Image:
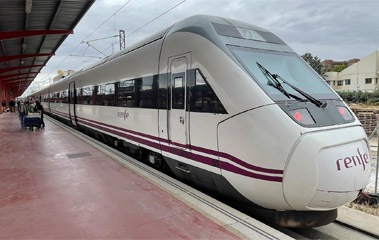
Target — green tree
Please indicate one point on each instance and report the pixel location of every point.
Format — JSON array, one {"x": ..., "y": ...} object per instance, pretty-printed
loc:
[
  {"x": 338, "y": 68},
  {"x": 314, "y": 62}
]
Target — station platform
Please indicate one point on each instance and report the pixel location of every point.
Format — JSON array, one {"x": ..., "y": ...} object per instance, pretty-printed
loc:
[{"x": 53, "y": 185}]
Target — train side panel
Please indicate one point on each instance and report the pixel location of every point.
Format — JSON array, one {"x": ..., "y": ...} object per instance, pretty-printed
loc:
[{"x": 138, "y": 126}]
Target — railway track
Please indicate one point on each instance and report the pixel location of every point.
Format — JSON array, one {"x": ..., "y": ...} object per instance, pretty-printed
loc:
[{"x": 335, "y": 230}]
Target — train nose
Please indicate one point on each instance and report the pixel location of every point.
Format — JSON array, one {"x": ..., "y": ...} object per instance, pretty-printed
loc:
[{"x": 327, "y": 169}]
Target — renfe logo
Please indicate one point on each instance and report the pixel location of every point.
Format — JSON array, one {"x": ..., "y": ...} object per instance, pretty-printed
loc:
[
  {"x": 353, "y": 161},
  {"x": 123, "y": 115}
]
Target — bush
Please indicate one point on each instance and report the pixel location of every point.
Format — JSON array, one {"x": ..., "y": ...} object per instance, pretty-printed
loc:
[
  {"x": 347, "y": 96},
  {"x": 338, "y": 68},
  {"x": 360, "y": 97}
]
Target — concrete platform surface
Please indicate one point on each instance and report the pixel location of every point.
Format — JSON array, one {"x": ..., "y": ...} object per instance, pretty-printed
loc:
[
  {"x": 359, "y": 219},
  {"x": 52, "y": 185}
]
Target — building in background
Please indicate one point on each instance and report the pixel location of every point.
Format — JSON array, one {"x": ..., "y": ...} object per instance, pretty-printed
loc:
[
  {"x": 328, "y": 65},
  {"x": 62, "y": 74},
  {"x": 362, "y": 75}
]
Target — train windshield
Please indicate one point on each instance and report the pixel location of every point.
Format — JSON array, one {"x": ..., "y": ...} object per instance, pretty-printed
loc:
[{"x": 289, "y": 66}]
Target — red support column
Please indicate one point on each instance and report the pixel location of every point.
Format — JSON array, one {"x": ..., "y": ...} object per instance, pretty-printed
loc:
[{"x": 2, "y": 94}]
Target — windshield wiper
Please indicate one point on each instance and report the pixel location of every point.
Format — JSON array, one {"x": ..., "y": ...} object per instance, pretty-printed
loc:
[
  {"x": 277, "y": 84},
  {"x": 275, "y": 78}
]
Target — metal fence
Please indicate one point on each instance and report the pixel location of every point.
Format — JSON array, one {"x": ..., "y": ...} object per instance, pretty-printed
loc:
[{"x": 372, "y": 135}]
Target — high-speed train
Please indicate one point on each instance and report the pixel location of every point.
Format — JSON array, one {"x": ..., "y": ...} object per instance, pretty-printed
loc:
[{"x": 229, "y": 107}]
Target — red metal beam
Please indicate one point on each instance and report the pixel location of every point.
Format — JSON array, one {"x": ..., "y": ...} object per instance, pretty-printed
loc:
[
  {"x": 14, "y": 57},
  {"x": 29, "y": 33},
  {"x": 4, "y": 77},
  {"x": 21, "y": 81},
  {"x": 19, "y": 78},
  {"x": 3, "y": 70},
  {"x": 18, "y": 83}
]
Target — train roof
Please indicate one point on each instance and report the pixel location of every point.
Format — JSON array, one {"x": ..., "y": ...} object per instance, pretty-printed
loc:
[
  {"x": 208, "y": 26},
  {"x": 218, "y": 30}
]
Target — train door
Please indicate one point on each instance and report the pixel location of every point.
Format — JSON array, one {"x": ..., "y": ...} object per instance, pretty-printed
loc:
[
  {"x": 177, "y": 116},
  {"x": 71, "y": 103}
]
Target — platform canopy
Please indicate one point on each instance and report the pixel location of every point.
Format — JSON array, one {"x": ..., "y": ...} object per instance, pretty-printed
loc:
[{"x": 31, "y": 31}]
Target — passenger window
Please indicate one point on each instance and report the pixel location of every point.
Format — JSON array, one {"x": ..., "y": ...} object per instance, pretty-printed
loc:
[
  {"x": 79, "y": 96},
  {"x": 163, "y": 93},
  {"x": 109, "y": 95},
  {"x": 99, "y": 93},
  {"x": 126, "y": 93},
  {"x": 64, "y": 97},
  {"x": 96, "y": 95},
  {"x": 178, "y": 93},
  {"x": 61, "y": 97},
  {"x": 205, "y": 100},
  {"x": 148, "y": 93},
  {"x": 87, "y": 95},
  {"x": 72, "y": 96}
]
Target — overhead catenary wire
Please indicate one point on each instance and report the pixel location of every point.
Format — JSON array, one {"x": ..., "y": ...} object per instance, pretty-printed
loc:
[
  {"x": 73, "y": 55},
  {"x": 155, "y": 18},
  {"x": 106, "y": 20},
  {"x": 98, "y": 39},
  {"x": 92, "y": 33},
  {"x": 147, "y": 23},
  {"x": 165, "y": 12}
]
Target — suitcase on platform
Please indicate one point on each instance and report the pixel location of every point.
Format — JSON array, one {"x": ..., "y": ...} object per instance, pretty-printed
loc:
[{"x": 33, "y": 120}]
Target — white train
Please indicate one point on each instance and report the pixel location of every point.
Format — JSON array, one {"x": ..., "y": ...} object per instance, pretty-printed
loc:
[{"x": 230, "y": 107}]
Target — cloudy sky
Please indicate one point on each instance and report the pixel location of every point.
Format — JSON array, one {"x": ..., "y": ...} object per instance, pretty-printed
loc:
[{"x": 339, "y": 29}]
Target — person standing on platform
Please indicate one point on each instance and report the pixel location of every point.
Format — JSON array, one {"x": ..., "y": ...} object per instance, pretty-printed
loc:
[
  {"x": 39, "y": 108},
  {"x": 3, "y": 104},
  {"x": 22, "y": 112},
  {"x": 27, "y": 104},
  {"x": 12, "y": 105}
]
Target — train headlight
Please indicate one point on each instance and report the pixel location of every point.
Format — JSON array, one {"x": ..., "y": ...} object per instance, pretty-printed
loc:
[
  {"x": 302, "y": 116},
  {"x": 345, "y": 113}
]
